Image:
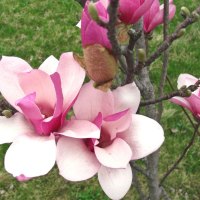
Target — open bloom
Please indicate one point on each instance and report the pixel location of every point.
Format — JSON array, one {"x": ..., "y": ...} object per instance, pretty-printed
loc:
[
  {"x": 130, "y": 11},
  {"x": 124, "y": 136},
  {"x": 191, "y": 103},
  {"x": 154, "y": 16},
  {"x": 91, "y": 32},
  {"x": 42, "y": 98}
]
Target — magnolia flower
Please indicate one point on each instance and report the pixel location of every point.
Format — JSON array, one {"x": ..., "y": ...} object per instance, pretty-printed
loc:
[
  {"x": 124, "y": 136},
  {"x": 154, "y": 16},
  {"x": 192, "y": 102},
  {"x": 91, "y": 32},
  {"x": 130, "y": 11},
  {"x": 42, "y": 98}
]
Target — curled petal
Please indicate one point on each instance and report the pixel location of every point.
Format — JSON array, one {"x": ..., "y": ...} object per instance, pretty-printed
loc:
[
  {"x": 116, "y": 155},
  {"x": 31, "y": 156},
  {"x": 75, "y": 161},
  {"x": 13, "y": 127},
  {"x": 117, "y": 123},
  {"x": 115, "y": 182},
  {"x": 182, "y": 102},
  {"x": 42, "y": 85},
  {"x": 144, "y": 136}
]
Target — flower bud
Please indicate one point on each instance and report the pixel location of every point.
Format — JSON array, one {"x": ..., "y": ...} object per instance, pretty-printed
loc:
[
  {"x": 188, "y": 93},
  {"x": 93, "y": 12},
  {"x": 181, "y": 32},
  {"x": 185, "y": 12},
  {"x": 100, "y": 64},
  {"x": 195, "y": 16},
  {"x": 7, "y": 113},
  {"x": 141, "y": 55}
]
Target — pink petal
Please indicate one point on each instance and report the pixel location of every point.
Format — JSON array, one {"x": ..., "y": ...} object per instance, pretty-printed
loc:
[
  {"x": 144, "y": 136},
  {"x": 54, "y": 122},
  {"x": 150, "y": 14},
  {"x": 31, "y": 156},
  {"x": 72, "y": 77},
  {"x": 116, "y": 155},
  {"x": 91, "y": 101},
  {"x": 75, "y": 161},
  {"x": 141, "y": 10},
  {"x": 182, "y": 102},
  {"x": 31, "y": 111},
  {"x": 115, "y": 182},
  {"x": 194, "y": 102},
  {"x": 49, "y": 65},
  {"x": 98, "y": 120},
  {"x": 13, "y": 127},
  {"x": 80, "y": 129},
  {"x": 158, "y": 18},
  {"x": 127, "y": 96},
  {"x": 41, "y": 83},
  {"x": 186, "y": 79},
  {"x": 22, "y": 178},
  {"x": 10, "y": 67},
  {"x": 117, "y": 125}
]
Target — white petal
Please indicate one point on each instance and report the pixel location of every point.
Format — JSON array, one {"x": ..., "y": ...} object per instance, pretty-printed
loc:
[
  {"x": 127, "y": 96},
  {"x": 115, "y": 182},
  {"x": 49, "y": 65},
  {"x": 31, "y": 156},
  {"x": 144, "y": 136},
  {"x": 80, "y": 129},
  {"x": 116, "y": 155},
  {"x": 75, "y": 161},
  {"x": 12, "y": 127}
]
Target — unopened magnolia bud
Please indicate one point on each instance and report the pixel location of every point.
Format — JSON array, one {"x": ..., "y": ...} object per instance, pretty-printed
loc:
[
  {"x": 93, "y": 12},
  {"x": 195, "y": 15},
  {"x": 141, "y": 55},
  {"x": 181, "y": 32},
  {"x": 7, "y": 113},
  {"x": 185, "y": 12}
]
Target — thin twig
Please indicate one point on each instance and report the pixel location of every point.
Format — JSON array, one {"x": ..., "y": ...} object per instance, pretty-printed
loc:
[
  {"x": 165, "y": 59},
  {"x": 183, "y": 92},
  {"x": 191, "y": 142},
  {"x": 175, "y": 35},
  {"x": 139, "y": 169}
]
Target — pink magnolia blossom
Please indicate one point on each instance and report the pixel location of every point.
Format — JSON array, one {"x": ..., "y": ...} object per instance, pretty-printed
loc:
[
  {"x": 130, "y": 11},
  {"x": 91, "y": 32},
  {"x": 42, "y": 98},
  {"x": 154, "y": 16},
  {"x": 124, "y": 136},
  {"x": 191, "y": 103}
]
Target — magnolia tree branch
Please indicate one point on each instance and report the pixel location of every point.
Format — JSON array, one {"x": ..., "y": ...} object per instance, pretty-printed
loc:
[
  {"x": 165, "y": 58},
  {"x": 183, "y": 92},
  {"x": 175, "y": 35},
  {"x": 147, "y": 92},
  {"x": 191, "y": 142},
  {"x": 134, "y": 36}
]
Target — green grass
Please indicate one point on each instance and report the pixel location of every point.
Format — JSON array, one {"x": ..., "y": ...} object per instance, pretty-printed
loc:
[{"x": 33, "y": 30}]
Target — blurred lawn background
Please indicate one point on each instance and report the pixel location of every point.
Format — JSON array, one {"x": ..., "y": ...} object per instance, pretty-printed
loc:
[{"x": 33, "y": 30}]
